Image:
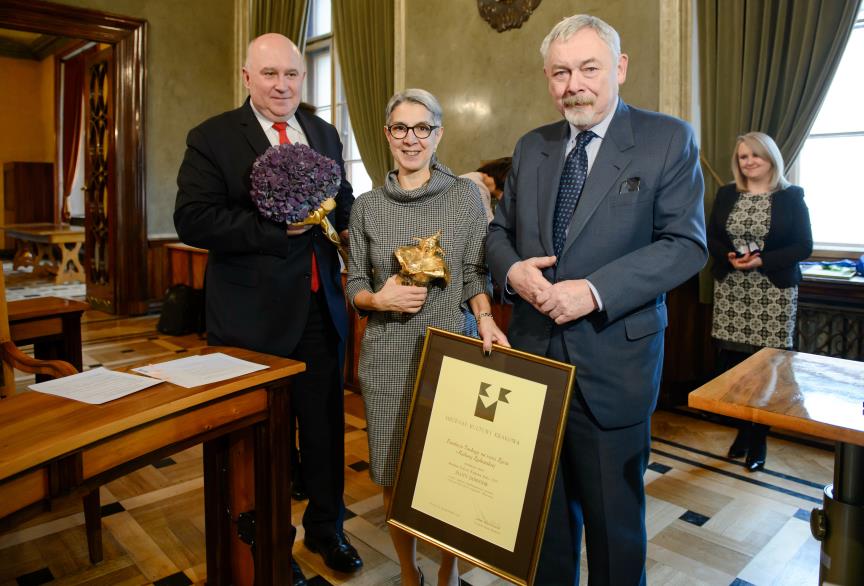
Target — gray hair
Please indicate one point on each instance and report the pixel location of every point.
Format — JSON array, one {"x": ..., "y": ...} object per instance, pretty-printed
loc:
[
  {"x": 765, "y": 148},
  {"x": 573, "y": 24},
  {"x": 416, "y": 96}
]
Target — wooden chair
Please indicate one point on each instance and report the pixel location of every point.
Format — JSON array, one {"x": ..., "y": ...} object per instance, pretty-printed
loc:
[{"x": 13, "y": 358}]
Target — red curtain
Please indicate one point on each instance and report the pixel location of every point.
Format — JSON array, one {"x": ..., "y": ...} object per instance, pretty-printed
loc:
[{"x": 73, "y": 96}]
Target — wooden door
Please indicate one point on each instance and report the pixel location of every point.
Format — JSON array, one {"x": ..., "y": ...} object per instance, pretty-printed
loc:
[{"x": 99, "y": 181}]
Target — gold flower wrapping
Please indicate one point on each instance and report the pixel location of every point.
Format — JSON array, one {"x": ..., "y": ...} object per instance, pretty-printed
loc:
[
  {"x": 319, "y": 217},
  {"x": 423, "y": 263}
]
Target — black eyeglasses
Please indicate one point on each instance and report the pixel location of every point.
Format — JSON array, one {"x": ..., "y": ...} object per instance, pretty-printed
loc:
[{"x": 421, "y": 130}]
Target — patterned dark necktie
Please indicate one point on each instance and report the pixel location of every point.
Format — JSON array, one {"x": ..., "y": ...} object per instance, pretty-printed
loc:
[{"x": 572, "y": 180}]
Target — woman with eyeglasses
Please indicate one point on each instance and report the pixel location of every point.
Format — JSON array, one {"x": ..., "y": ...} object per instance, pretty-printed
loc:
[{"x": 419, "y": 198}]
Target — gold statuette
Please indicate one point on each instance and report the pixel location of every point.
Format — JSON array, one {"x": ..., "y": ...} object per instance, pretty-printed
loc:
[{"x": 423, "y": 263}]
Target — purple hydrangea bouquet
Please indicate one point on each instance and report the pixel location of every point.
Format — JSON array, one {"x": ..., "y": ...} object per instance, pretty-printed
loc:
[
  {"x": 290, "y": 181},
  {"x": 294, "y": 184}
]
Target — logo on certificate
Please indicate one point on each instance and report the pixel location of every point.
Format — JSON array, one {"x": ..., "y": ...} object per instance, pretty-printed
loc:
[{"x": 486, "y": 405}]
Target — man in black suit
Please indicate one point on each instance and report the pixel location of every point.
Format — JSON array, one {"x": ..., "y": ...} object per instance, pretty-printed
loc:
[{"x": 273, "y": 288}]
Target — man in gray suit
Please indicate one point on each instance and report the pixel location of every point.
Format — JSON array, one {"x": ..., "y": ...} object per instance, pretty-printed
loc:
[{"x": 601, "y": 215}]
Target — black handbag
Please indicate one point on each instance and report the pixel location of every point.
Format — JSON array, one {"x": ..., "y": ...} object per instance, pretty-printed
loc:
[{"x": 182, "y": 311}]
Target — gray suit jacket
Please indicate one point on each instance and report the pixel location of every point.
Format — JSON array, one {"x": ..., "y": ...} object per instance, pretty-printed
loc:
[{"x": 637, "y": 232}]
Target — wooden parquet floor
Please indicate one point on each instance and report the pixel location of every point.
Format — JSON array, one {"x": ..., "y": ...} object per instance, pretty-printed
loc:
[{"x": 709, "y": 520}]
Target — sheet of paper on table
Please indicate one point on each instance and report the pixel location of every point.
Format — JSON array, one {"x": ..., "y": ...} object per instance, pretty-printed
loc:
[
  {"x": 204, "y": 369},
  {"x": 95, "y": 386}
]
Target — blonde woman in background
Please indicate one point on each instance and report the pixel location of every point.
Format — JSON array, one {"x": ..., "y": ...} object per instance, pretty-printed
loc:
[{"x": 758, "y": 232}]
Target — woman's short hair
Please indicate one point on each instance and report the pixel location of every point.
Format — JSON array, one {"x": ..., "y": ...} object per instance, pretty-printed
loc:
[
  {"x": 497, "y": 169},
  {"x": 573, "y": 24},
  {"x": 764, "y": 147},
  {"x": 416, "y": 96}
]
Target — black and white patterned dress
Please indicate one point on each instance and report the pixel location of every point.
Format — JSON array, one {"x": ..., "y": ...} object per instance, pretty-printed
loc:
[
  {"x": 748, "y": 308},
  {"x": 381, "y": 221}
]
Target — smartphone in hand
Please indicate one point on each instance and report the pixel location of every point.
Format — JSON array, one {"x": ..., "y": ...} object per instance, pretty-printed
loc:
[{"x": 745, "y": 249}]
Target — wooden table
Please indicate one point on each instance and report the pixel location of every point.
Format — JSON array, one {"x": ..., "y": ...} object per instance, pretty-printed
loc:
[
  {"x": 36, "y": 245},
  {"x": 822, "y": 397},
  {"x": 51, "y": 324},
  {"x": 53, "y": 446}
]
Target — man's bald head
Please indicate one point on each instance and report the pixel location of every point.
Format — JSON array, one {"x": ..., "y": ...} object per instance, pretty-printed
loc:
[{"x": 274, "y": 74}]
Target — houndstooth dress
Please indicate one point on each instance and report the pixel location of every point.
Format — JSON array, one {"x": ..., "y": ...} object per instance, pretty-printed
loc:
[
  {"x": 748, "y": 308},
  {"x": 381, "y": 221}
]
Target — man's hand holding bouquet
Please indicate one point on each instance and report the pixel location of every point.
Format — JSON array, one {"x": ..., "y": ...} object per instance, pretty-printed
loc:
[{"x": 295, "y": 185}]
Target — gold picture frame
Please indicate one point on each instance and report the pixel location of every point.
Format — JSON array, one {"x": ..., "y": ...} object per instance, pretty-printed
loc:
[{"x": 480, "y": 452}]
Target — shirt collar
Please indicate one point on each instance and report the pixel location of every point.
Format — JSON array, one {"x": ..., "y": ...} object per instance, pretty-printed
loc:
[
  {"x": 267, "y": 124},
  {"x": 600, "y": 128}
]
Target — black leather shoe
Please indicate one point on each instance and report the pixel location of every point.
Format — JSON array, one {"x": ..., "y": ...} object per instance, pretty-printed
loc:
[
  {"x": 297, "y": 574},
  {"x": 298, "y": 487},
  {"x": 757, "y": 452},
  {"x": 298, "y": 491},
  {"x": 738, "y": 449},
  {"x": 338, "y": 554},
  {"x": 736, "y": 452},
  {"x": 755, "y": 464}
]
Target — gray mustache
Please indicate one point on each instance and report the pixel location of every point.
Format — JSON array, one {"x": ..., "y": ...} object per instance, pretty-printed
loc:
[{"x": 578, "y": 100}]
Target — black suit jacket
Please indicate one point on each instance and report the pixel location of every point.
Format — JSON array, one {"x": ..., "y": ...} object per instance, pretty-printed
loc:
[
  {"x": 258, "y": 277},
  {"x": 788, "y": 241}
]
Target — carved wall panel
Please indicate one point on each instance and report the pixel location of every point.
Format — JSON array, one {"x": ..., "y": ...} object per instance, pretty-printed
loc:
[
  {"x": 831, "y": 330},
  {"x": 97, "y": 187}
]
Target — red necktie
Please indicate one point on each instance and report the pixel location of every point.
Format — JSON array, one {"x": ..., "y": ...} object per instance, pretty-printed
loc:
[{"x": 283, "y": 139}]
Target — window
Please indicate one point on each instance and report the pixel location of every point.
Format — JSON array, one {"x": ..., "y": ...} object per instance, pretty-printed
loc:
[
  {"x": 830, "y": 163},
  {"x": 324, "y": 90}
]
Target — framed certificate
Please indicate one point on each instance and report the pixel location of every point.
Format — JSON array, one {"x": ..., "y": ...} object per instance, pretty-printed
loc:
[{"x": 480, "y": 452}]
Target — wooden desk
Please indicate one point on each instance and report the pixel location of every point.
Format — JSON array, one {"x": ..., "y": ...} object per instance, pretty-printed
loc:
[
  {"x": 45, "y": 237},
  {"x": 53, "y": 446},
  {"x": 819, "y": 396},
  {"x": 51, "y": 324}
]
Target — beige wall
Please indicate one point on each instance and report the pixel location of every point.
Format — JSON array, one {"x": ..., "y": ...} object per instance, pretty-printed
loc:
[
  {"x": 189, "y": 78},
  {"x": 26, "y": 112},
  {"x": 491, "y": 84}
]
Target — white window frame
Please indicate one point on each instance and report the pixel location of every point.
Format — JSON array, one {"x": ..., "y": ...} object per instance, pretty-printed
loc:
[
  {"x": 338, "y": 105},
  {"x": 823, "y": 250}
]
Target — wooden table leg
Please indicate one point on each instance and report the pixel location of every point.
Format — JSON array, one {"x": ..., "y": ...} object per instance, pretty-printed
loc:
[
  {"x": 45, "y": 263},
  {"x": 244, "y": 509},
  {"x": 217, "y": 525},
  {"x": 249, "y": 471},
  {"x": 272, "y": 493},
  {"x": 24, "y": 256},
  {"x": 70, "y": 265},
  {"x": 72, "y": 352},
  {"x": 93, "y": 525}
]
